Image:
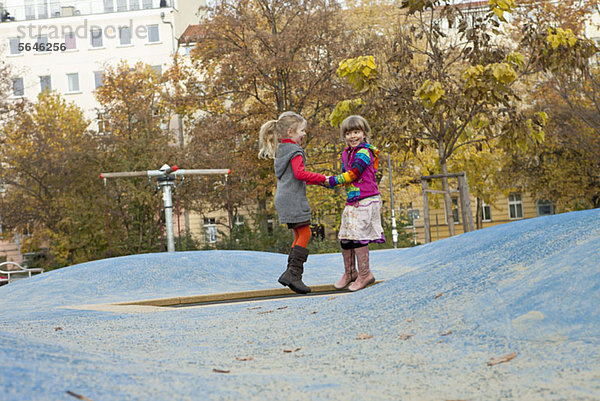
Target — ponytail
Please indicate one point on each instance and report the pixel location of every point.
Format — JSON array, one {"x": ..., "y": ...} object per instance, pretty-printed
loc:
[
  {"x": 274, "y": 130},
  {"x": 268, "y": 140}
]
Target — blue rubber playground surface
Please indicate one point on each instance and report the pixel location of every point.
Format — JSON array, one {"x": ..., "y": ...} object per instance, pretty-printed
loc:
[{"x": 510, "y": 312}]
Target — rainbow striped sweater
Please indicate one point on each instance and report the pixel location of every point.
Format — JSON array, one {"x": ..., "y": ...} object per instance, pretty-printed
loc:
[{"x": 359, "y": 166}]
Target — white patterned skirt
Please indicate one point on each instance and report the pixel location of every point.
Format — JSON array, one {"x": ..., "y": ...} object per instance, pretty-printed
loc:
[{"x": 361, "y": 221}]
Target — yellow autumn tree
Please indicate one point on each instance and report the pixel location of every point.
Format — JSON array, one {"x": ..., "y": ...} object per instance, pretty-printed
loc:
[
  {"x": 135, "y": 113},
  {"x": 49, "y": 166},
  {"x": 564, "y": 63},
  {"x": 445, "y": 80}
]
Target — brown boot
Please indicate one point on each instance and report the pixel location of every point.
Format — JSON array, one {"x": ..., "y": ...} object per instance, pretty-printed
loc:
[
  {"x": 292, "y": 277},
  {"x": 365, "y": 277},
  {"x": 288, "y": 267},
  {"x": 350, "y": 273}
]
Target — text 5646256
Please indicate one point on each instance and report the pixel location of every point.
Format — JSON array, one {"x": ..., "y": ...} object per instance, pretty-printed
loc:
[{"x": 42, "y": 47}]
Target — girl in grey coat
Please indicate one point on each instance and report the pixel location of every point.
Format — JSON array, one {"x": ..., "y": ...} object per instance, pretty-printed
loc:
[{"x": 282, "y": 139}]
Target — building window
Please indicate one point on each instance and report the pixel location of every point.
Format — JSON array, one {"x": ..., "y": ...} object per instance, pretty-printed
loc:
[
  {"x": 407, "y": 215},
  {"x": 29, "y": 9},
  {"x": 412, "y": 215},
  {"x": 187, "y": 50},
  {"x": 42, "y": 44},
  {"x": 96, "y": 36},
  {"x": 455, "y": 214},
  {"x": 544, "y": 208},
  {"x": 124, "y": 35},
  {"x": 121, "y": 5},
  {"x": 42, "y": 9},
  {"x": 70, "y": 41},
  {"x": 103, "y": 127},
  {"x": 147, "y": 3},
  {"x": 153, "y": 34},
  {"x": 210, "y": 230},
  {"x": 55, "y": 8},
  {"x": 157, "y": 69},
  {"x": 14, "y": 45},
  {"x": 134, "y": 4},
  {"x": 515, "y": 206},
  {"x": 18, "y": 88},
  {"x": 109, "y": 6},
  {"x": 45, "y": 83},
  {"x": 73, "y": 82},
  {"x": 239, "y": 220},
  {"x": 486, "y": 212},
  {"x": 98, "y": 79}
]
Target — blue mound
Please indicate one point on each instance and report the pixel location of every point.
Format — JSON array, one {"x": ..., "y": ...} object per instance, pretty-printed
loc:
[{"x": 528, "y": 288}]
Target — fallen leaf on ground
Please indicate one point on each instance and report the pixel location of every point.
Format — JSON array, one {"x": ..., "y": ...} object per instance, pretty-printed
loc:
[
  {"x": 363, "y": 336},
  {"x": 502, "y": 359},
  {"x": 438, "y": 295},
  {"x": 291, "y": 349},
  {"x": 446, "y": 333},
  {"x": 78, "y": 396},
  {"x": 254, "y": 307},
  {"x": 263, "y": 312},
  {"x": 409, "y": 320},
  {"x": 248, "y": 358},
  {"x": 282, "y": 307},
  {"x": 406, "y": 336},
  {"x": 330, "y": 298},
  {"x": 58, "y": 329},
  {"x": 221, "y": 371},
  {"x": 313, "y": 312}
]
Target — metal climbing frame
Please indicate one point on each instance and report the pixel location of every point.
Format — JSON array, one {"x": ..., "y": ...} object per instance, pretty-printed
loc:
[
  {"x": 165, "y": 178},
  {"x": 465, "y": 201}
]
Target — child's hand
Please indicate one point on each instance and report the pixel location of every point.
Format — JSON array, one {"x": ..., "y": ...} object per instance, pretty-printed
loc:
[{"x": 326, "y": 182}]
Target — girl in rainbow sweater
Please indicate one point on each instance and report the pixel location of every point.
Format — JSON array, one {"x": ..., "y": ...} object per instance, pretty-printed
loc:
[{"x": 361, "y": 219}]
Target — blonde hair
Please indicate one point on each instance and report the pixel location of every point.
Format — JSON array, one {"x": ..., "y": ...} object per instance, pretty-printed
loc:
[
  {"x": 273, "y": 131},
  {"x": 355, "y": 123}
]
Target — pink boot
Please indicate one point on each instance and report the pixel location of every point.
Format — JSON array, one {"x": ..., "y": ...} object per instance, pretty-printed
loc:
[
  {"x": 365, "y": 277},
  {"x": 350, "y": 273}
]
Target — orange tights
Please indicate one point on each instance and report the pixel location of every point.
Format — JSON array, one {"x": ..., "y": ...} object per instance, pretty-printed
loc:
[{"x": 302, "y": 235}]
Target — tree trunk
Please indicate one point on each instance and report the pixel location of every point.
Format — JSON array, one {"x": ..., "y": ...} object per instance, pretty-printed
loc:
[
  {"x": 447, "y": 198},
  {"x": 262, "y": 213}
]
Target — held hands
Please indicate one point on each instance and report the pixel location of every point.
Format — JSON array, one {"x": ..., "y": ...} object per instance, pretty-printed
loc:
[{"x": 326, "y": 183}]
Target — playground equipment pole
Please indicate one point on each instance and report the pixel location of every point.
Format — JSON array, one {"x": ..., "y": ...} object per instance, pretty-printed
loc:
[
  {"x": 165, "y": 178},
  {"x": 165, "y": 183},
  {"x": 394, "y": 229}
]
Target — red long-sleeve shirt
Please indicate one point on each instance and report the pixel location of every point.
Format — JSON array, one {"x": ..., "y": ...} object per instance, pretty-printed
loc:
[{"x": 299, "y": 170}]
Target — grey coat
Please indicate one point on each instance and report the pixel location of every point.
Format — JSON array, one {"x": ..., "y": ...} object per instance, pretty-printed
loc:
[{"x": 290, "y": 200}]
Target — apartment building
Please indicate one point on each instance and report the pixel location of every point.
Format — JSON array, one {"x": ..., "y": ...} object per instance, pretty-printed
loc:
[
  {"x": 517, "y": 205},
  {"x": 66, "y": 45}
]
